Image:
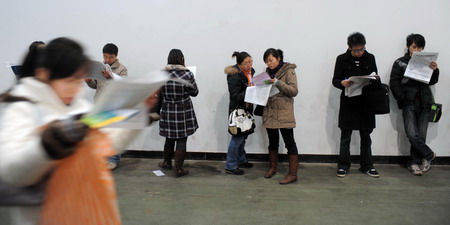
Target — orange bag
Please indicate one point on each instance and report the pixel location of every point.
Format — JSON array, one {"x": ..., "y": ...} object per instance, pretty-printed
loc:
[{"x": 81, "y": 189}]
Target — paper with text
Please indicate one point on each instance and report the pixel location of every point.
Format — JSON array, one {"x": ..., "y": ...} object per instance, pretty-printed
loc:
[
  {"x": 259, "y": 94},
  {"x": 358, "y": 82},
  {"x": 419, "y": 66},
  {"x": 129, "y": 94}
]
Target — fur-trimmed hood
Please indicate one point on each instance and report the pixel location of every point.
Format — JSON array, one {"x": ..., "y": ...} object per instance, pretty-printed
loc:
[
  {"x": 287, "y": 66},
  {"x": 175, "y": 67},
  {"x": 233, "y": 69}
]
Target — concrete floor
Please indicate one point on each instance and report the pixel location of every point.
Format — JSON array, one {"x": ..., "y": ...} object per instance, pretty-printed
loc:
[{"x": 208, "y": 196}]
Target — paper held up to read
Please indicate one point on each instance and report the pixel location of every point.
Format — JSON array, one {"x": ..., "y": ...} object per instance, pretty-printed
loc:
[
  {"x": 419, "y": 66},
  {"x": 260, "y": 79},
  {"x": 121, "y": 103},
  {"x": 261, "y": 91},
  {"x": 96, "y": 71},
  {"x": 358, "y": 82}
]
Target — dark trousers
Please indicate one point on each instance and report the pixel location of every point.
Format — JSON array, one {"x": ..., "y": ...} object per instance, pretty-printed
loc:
[
  {"x": 415, "y": 119},
  {"x": 288, "y": 137},
  {"x": 365, "y": 156},
  {"x": 181, "y": 144}
]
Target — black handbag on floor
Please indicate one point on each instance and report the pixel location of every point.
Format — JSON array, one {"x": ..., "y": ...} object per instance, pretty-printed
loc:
[{"x": 376, "y": 98}]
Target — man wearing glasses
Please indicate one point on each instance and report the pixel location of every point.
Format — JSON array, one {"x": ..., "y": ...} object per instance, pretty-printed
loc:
[{"x": 356, "y": 61}]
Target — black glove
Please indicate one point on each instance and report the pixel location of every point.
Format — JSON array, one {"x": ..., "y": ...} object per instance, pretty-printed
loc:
[{"x": 61, "y": 137}]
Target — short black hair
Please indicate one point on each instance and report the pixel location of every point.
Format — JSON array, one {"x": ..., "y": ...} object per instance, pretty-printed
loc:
[
  {"x": 175, "y": 57},
  {"x": 110, "y": 48},
  {"x": 240, "y": 56},
  {"x": 277, "y": 53},
  {"x": 356, "y": 39},
  {"x": 62, "y": 57},
  {"x": 418, "y": 39}
]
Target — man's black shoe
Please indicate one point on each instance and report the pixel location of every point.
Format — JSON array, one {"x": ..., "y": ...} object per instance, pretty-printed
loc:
[
  {"x": 235, "y": 171},
  {"x": 246, "y": 165}
]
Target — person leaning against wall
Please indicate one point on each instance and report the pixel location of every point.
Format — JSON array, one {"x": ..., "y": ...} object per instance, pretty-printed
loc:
[
  {"x": 278, "y": 114},
  {"x": 356, "y": 61},
  {"x": 239, "y": 78},
  {"x": 110, "y": 53},
  {"x": 415, "y": 99},
  {"x": 178, "y": 120}
]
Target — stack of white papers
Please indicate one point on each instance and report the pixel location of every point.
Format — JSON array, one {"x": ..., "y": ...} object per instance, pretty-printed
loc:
[
  {"x": 128, "y": 95},
  {"x": 260, "y": 93},
  {"x": 358, "y": 82}
]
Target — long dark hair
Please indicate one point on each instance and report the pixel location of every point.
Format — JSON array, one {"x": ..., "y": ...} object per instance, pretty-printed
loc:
[
  {"x": 62, "y": 57},
  {"x": 175, "y": 57}
]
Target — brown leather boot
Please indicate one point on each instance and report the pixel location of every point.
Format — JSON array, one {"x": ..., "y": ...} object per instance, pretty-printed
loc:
[
  {"x": 273, "y": 161},
  {"x": 179, "y": 160},
  {"x": 167, "y": 163},
  {"x": 292, "y": 174}
]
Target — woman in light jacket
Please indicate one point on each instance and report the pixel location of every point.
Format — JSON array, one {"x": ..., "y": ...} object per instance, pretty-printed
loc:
[
  {"x": 32, "y": 135},
  {"x": 178, "y": 120},
  {"x": 239, "y": 78},
  {"x": 278, "y": 115}
]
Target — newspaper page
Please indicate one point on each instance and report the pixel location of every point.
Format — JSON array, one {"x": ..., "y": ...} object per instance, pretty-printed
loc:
[{"x": 419, "y": 66}]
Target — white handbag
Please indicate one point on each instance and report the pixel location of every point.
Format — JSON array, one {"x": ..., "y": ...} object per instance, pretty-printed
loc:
[{"x": 240, "y": 122}]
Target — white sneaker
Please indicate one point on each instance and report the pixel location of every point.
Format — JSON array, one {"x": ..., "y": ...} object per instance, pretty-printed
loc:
[
  {"x": 111, "y": 165},
  {"x": 414, "y": 168},
  {"x": 426, "y": 164}
]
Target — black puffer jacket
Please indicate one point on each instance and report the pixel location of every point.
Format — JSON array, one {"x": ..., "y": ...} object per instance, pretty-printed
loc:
[
  {"x": 406, "y": 90},
  {"x": 237, "y": 85},
  {"x": 351, "y": 110}
]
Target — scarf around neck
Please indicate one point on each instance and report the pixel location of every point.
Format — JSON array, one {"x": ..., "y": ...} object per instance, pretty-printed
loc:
[{"x": 274, "y": 71}]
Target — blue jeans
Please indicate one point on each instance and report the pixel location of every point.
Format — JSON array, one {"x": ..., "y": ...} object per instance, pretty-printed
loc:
[
  {"x": 236, "y": 152},
  {"x": 115, "y": 159},
  {"x": 415, "y": 119}
]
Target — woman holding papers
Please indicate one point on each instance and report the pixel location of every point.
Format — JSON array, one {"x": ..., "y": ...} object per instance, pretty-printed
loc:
[
  {"x": 178, "y": 120},
  {"x": 239, "y": 78},
  {"x": 36, "y": 131},
  {"x": 356, "y": 61},
  {"x": 415, "y": 99},
  {"x": 278, "y": 115}
]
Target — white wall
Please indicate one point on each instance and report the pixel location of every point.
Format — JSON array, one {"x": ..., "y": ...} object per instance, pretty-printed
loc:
[{"x": 311, "y": 33}]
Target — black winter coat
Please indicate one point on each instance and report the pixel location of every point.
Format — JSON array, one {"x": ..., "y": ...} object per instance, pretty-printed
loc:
[
  {"x": 351, "y": 111},
  {"x": 237, "y": 85},
  {"x": 406, "y": 90}
]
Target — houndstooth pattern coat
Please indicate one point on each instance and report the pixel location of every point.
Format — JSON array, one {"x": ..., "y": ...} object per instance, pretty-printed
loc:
[{"x": 178, "y": 118}]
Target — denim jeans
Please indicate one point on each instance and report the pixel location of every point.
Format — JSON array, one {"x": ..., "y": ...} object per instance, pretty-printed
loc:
[
  {"x": 288, "y": 138},
  {"x": 236, "y": 152},
  {"x": 365, "y": 156},
  {"x": 415, "y": 119},
  {"x": 115, "y": 158}
]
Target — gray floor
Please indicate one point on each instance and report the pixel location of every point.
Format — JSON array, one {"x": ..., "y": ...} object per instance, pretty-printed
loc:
[{"x": 209, "y": 196}]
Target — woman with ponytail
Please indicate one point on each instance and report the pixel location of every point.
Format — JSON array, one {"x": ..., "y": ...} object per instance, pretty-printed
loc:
[
  {"x": 278, "y": 115},
  {"x": 239, "y": 78}
]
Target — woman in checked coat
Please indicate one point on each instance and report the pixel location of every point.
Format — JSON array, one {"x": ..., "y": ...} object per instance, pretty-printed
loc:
[{"x": 178, "y": 119}]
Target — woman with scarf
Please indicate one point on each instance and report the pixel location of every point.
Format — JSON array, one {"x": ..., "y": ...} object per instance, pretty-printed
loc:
[{"x": 278, "y": 115}]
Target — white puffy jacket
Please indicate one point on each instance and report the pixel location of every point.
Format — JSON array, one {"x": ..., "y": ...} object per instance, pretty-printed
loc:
[{"x": 23, "y": 161}]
